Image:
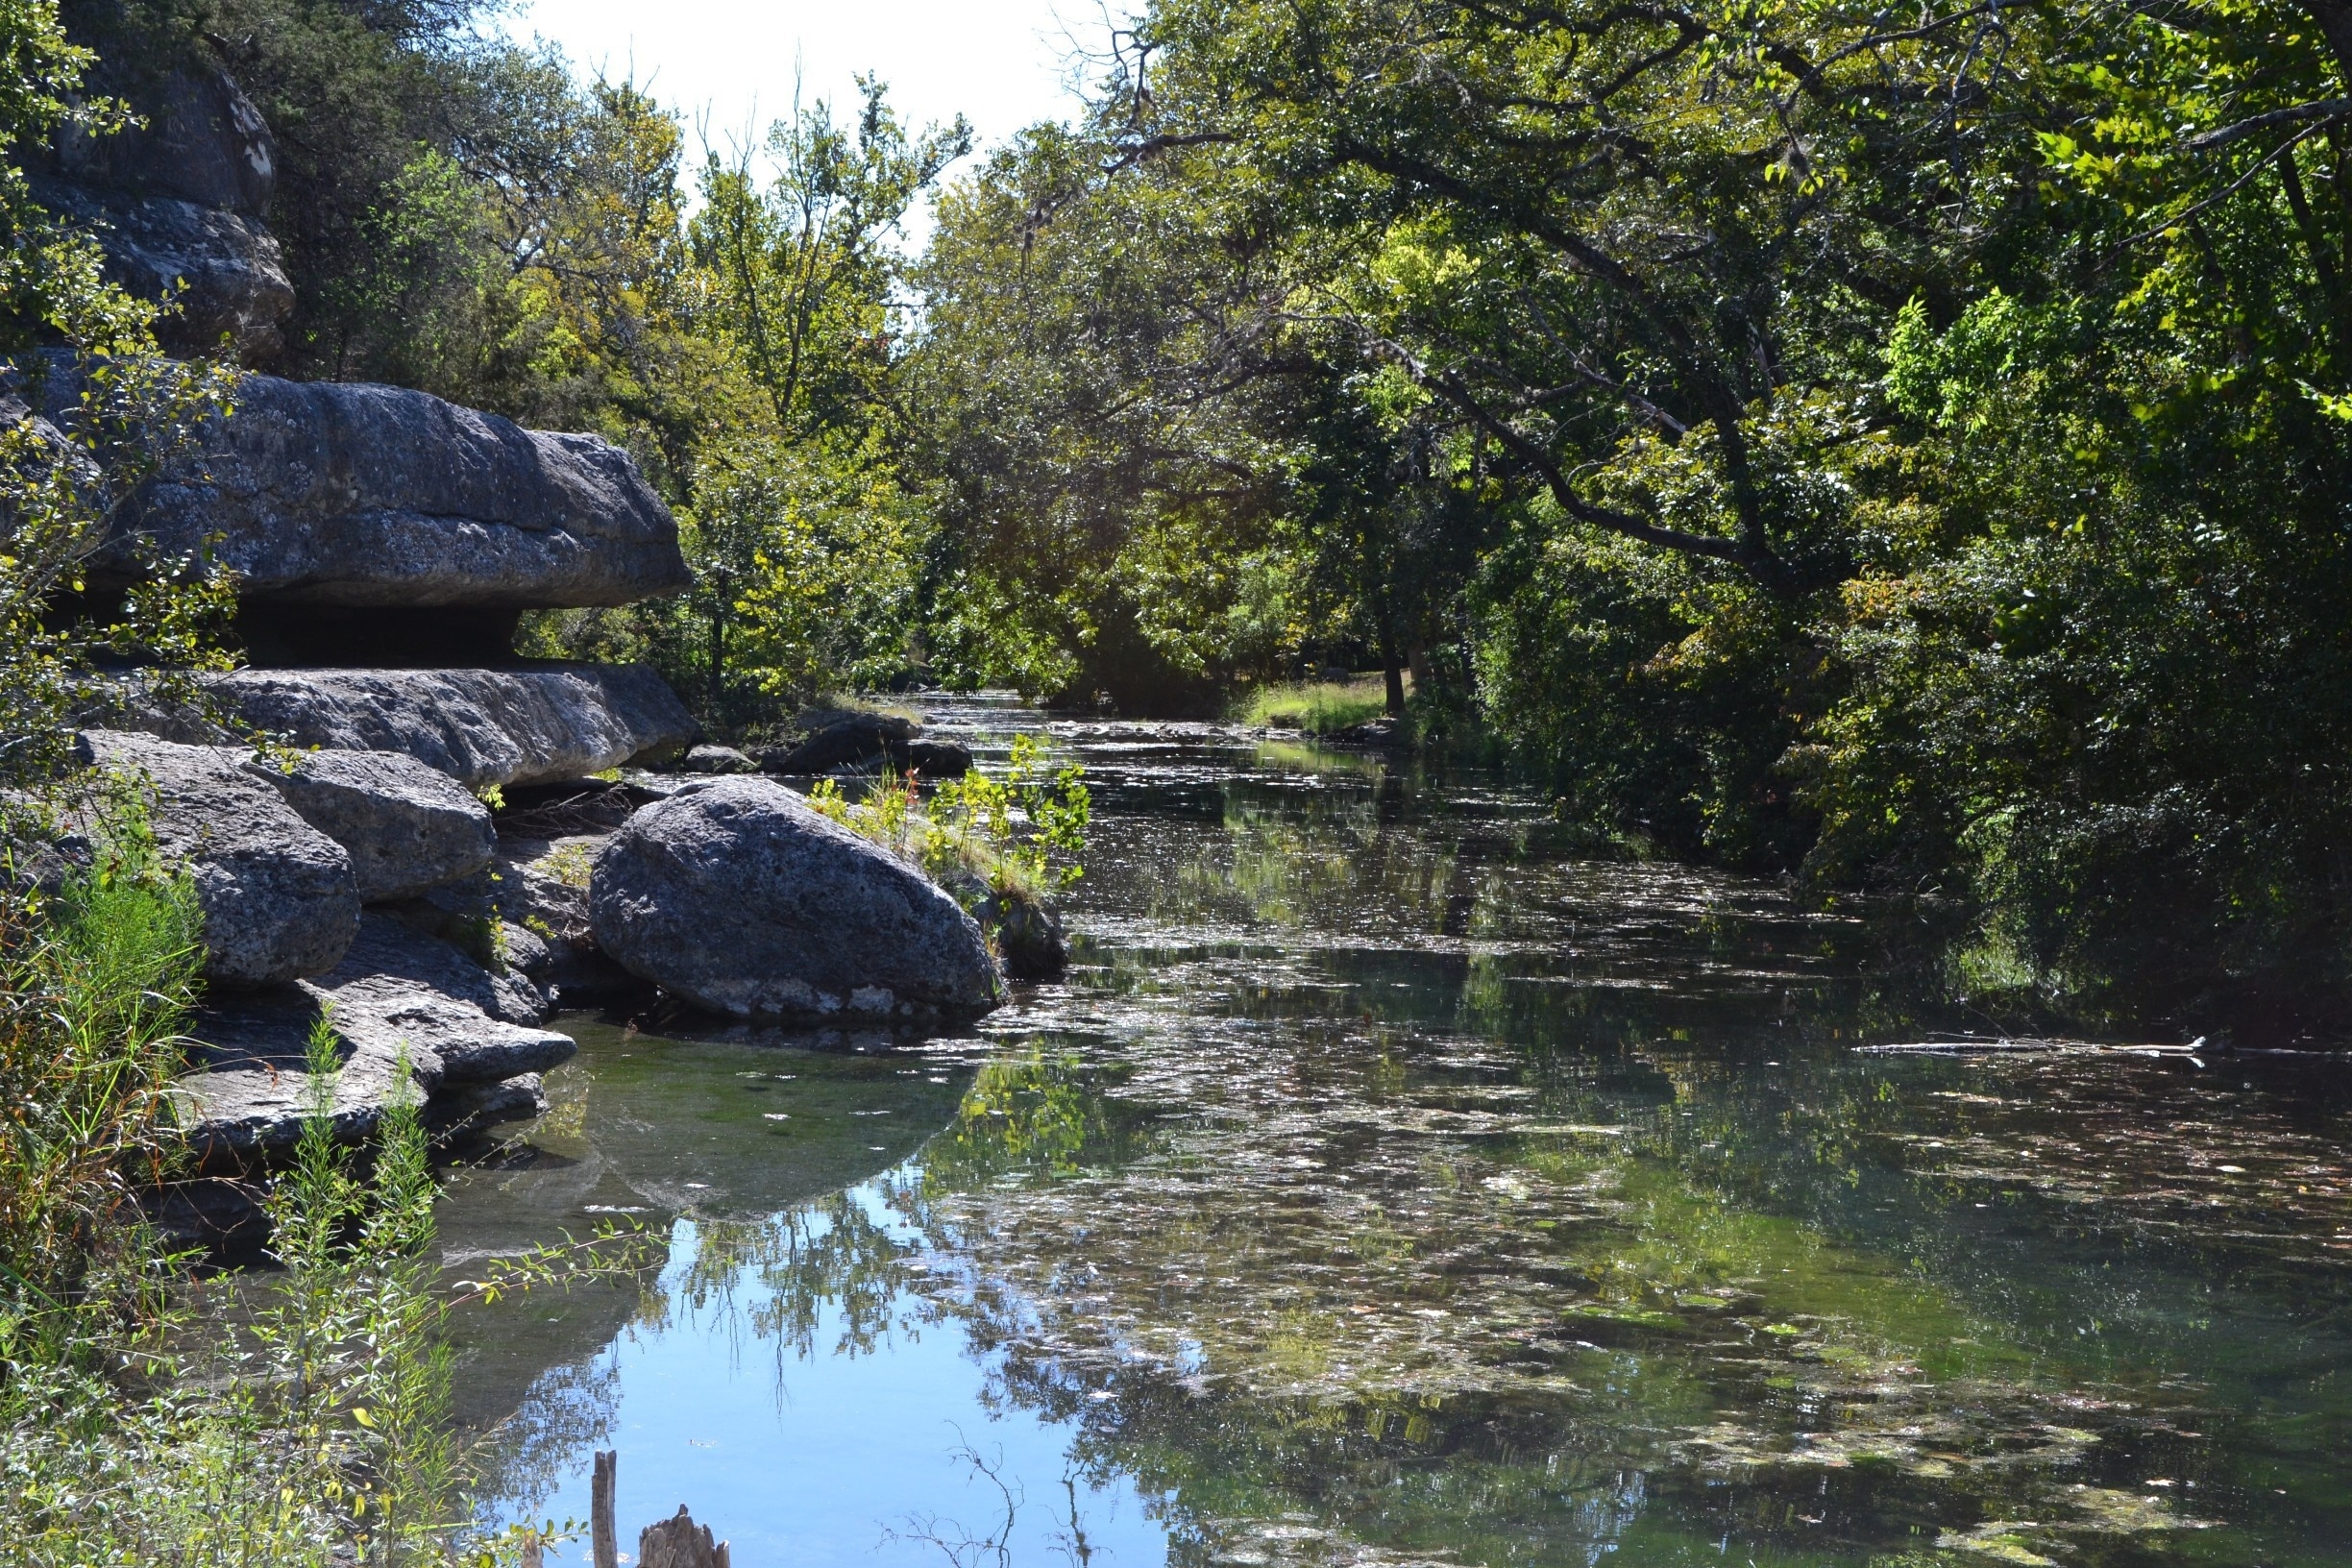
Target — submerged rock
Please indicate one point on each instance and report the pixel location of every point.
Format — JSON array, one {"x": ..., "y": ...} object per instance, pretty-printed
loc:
[
  {"x": 471, "y": 1106},
  {"x": 277, "y": 896},
  {"x": 481, "y": 727},
  {"x": 735, "y": 896},
  {"x": 343, "y": 494},
  {"x": 406, "y": 825}
]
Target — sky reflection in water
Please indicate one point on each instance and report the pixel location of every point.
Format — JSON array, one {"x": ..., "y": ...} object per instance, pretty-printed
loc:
[{"x": 1389, "y": 1185}]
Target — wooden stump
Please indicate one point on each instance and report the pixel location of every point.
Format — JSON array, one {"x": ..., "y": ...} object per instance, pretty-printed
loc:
[
  {"x": 679, "y": 1542},
  {"x": 603, "y": 1540}
]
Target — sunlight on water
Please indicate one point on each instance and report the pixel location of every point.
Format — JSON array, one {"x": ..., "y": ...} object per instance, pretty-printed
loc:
[{"x": 1387, "y": 1184}]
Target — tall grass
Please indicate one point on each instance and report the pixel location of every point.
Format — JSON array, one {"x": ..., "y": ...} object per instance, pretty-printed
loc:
[
  {"x": 94, "y": 985},
  {"x": 307, "y": 1425},
  {"x": 1319, "y": 707}
]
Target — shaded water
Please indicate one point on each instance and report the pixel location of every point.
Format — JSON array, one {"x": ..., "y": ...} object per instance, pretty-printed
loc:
[{"x": 1386, "y": 1186}]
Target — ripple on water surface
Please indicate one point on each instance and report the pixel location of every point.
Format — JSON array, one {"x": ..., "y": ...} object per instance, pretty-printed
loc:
[{"x": 1388, "y": 1185}]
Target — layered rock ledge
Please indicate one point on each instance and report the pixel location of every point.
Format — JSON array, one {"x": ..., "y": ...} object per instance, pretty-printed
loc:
[
  {"x": 481, "y": 727},
  {"x": 331, "y": 492}
]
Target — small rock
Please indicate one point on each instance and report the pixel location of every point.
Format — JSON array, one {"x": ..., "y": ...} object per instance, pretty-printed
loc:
[
  {"x": 715, "y": 759},
  {"x": 407, "y": 826},
  {"x": 735, "y": 896},
  {"x": 840, "y": 738},
  {"x": 277, "y": 896},
  {"x": 472, "y": 1106},
  {"x": 1029, "y": 936},
  {"x": 936, "y": 759},
  {"x": 527, "y": 953}
]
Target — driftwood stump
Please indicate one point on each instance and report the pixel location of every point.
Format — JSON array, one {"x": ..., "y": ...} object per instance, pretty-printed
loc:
[
  {"x": 679, "y": 1542},
  {"x": 603, "y": 1541}
]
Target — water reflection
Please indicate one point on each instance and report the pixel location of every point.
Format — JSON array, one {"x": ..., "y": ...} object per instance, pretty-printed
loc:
[{"x": 1386, "y": 1186}]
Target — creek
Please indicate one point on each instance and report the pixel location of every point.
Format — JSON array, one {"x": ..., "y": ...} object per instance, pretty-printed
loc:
[{"x": 1389, "y": 1183}]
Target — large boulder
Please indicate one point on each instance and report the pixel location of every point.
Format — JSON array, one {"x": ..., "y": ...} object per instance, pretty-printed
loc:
[
  {"x": 222, "y": 273},
  {"x": 176, "y": 200},
  {"x": 481, "y": 727},
  {"x": 735, "y": 896},
  {"x": 348, "y": 494},
  {"x": 198, "y": 138},
  {"x": 278, "y": 896},
  {"x": 407, "y": 826}
]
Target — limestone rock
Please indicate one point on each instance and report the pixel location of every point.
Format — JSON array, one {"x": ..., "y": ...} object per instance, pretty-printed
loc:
[
  {"x": 481, "y": 727},
  {"x": 277, "y": 895},
  {"x": 251, "y": 1088},
  {"x": 222, "y": 273},
  {"x": 348, "y": 494},
  {"x": 406, "y": 825},
  {"x": 469, "y": 1045},
  {"x": 840, "y": 738},
  {"x": 388, "y": 947},
  {"x": 733, "y": 894},
  {"x": 715, "y": 759},
  {"x": 197, "y": 138},
  {"x": 398, "y": 1041},
  {"x": 176, "y": 200}
]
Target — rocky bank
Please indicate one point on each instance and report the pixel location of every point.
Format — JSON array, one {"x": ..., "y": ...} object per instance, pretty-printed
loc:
[{"x": 328, "y": 802}]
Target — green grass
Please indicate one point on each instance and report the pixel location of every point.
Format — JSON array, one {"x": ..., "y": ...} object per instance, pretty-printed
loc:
[{"x": 1318, "y": 707}]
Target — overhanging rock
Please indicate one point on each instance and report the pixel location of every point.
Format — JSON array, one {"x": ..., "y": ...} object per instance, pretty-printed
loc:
[
  {"x": 329, "y": 493},
  {"x": 481, "y": 727}
]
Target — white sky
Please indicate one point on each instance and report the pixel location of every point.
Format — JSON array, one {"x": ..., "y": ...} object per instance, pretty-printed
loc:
[{"x": 1001, "y": 63}]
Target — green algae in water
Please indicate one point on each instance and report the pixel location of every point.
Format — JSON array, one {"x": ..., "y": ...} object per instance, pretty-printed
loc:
[{"x": 1388, "y": 1186}]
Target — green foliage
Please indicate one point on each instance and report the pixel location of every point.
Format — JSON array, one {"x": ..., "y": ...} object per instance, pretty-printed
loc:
[
  {"x": 1318, "y": 707},
  {"x": 1904, "y": 453},
  {"x": 1022, "y": 832},
  {"x": 94, "y": 985}
]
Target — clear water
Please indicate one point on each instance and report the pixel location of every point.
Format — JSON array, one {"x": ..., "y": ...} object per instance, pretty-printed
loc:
[{"x": 1387, "y": 1184}]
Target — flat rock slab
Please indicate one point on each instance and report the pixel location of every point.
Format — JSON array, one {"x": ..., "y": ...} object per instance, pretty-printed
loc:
[
  {"x": 249, "y": 1087},
  {"x": 733, "y": 894},
  {"x": 407, "y": 826},
  {"x": 277, "y": 896},
  {"x": 481, "y": 727},
  {"x": 342, "y": 493},
  {"x": 391, "y": 949}
]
